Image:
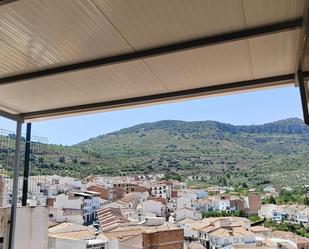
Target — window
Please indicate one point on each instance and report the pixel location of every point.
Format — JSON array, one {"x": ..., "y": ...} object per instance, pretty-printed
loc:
[
  {"x": 1, "y": 242},
  {"x": 96, "y": 246},
  {"x": 51, "y": 215}
]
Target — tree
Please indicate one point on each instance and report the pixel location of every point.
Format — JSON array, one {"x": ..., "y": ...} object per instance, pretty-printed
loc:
[
  {"x": 272, "y": 200},
  {"x": 306, "y": 200},
  {"x": 244, "y": 185},
  {"x": 222, "y": 181},
  {"x": 62, "y": 159},
  {"x": 41, "y": 160}
]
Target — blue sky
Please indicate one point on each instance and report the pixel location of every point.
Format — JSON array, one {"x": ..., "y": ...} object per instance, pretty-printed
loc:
[{"x": 245, "y": 108}]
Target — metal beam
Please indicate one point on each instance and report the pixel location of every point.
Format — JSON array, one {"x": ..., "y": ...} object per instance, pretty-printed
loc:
[
  {"x": 299, "y": 74},
  {"x": 15, "y": 185},
  {"x": 156, "y": 51},
  {"x": 303, "y": 88},
  {"x": 26, "y": 165},
  {"x": 209, "y": 90},
  {"x": 303, "y": 40},
  {"x": 306, "y": 74},
  {"x": 14, "y": 117},
  {"x": 3, "y": 2}
]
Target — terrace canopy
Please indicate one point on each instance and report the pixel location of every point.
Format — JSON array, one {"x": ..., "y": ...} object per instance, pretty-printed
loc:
[
  {"x": 65, "y": 57},
  {"x": 69, "y": 57}
]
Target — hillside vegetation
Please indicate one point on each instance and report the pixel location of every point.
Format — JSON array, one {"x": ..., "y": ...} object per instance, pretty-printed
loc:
[{"x": 253, "y": 155}]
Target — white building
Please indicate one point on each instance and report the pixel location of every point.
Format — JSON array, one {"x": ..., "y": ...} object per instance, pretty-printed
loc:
[
  {"x": 215, "y": 204},
  {"x": 87, "y": 203},
  {"x": 69, "y": 235},
  {"x": 69, "y": 215},
  {"x": 188, "y": 228},
  {"x": 171, "y": 205},
  {"x": 154, "y": 207},
  {"x": 187, "y": 213},
  {"x": 222, "y": 232},
  {"x": 183, "y": 202},
  {"x": 296, "y": 213},
  {"x": 159, "y": 190},
  {"x": 223, "y": 237},
  {"x": 267, "y": 210}
]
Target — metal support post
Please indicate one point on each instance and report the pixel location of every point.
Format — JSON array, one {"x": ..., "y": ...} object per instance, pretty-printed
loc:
[
  {"x": 26, "y": 165},
  {"x": 303, "y": 88},
  {"x": 15, "y": 186}
]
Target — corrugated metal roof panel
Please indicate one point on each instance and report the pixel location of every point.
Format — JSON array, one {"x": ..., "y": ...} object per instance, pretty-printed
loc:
[
  {"x": 88, "y": 86},
  {"x": 274, "y": 54},
  {"x": 230, "y": 62},
  {"x": 306, "y": 56},
  {"x": 12, "y": 60},
  {"x": 125, "y": 80},
  {"x": 53, "y": 92},
  {"x": 261, "y": 12},
  {"x": 219, "y": 64},
  {"x": 51, "y": 33},
  {"x": 155, "y": 22}
]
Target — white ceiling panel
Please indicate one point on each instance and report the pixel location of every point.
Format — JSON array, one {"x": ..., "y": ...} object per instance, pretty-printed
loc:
[
  {"x": 52, "y": 92},
  {"x": 274, "y": 54},
  {"x": 120, "y": 81},
  {"x": 57, "y": 32},
  {"x": 262, "y": 12},
  {"x": 147, "y": 23},
  {"x": 203, "y": 67},
  {"x": 12, "y": 60},
  {"x": 113, "y": 82}
]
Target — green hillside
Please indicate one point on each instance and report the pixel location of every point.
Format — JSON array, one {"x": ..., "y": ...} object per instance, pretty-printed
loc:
[{"x": 254, "y": 155}]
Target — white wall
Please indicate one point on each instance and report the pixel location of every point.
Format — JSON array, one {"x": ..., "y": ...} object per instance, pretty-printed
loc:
[
  {"x": 58, "y": 215},
  {"x": 183, "y": 202},
  {"x": 62, "y": 201},
  {"x": 31, "y": 227},
  {"x": 185, "y": 213},
  {"x": 153, "y": 207},
  {"x": 57, "y": 243},
  {"x": 267, "y": 210}
]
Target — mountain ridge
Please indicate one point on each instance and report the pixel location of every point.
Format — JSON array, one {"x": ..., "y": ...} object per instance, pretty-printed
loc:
[{"x": 290, "y": 125}]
